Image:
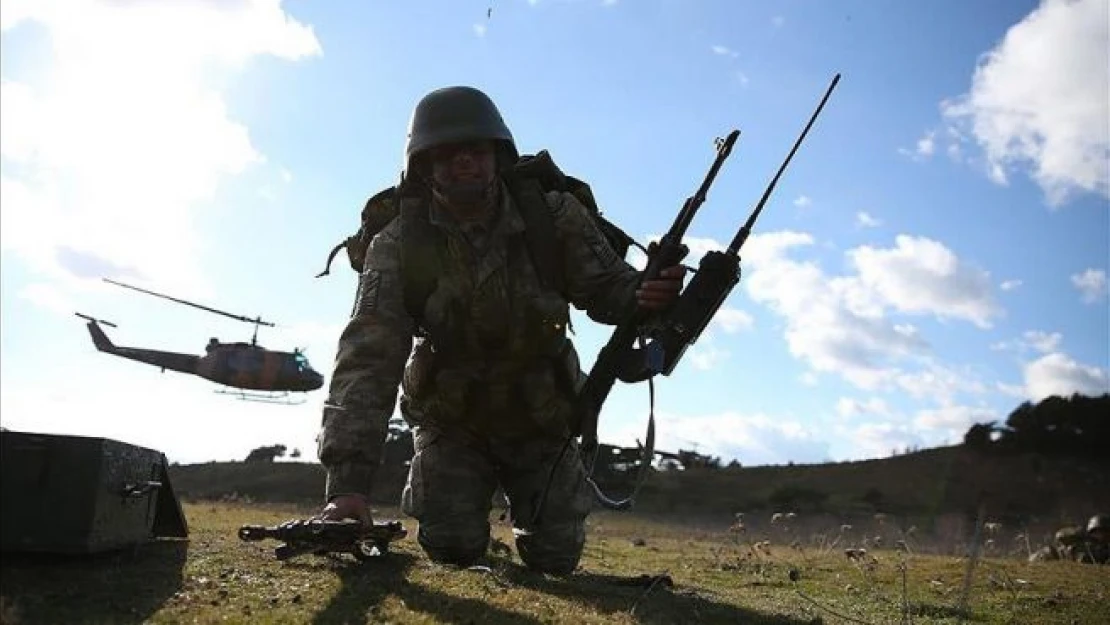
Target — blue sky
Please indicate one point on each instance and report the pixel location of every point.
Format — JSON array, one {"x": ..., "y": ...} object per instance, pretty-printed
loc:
[{"x": 936, "y": 253}]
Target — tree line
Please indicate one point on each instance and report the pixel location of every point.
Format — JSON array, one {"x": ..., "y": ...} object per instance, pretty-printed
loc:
[
  {"x": 1078, "y": 425},
  {"x": 1058, "y": 426}
]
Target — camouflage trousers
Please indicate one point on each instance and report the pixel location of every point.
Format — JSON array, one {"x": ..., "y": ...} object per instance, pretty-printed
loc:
[{"x": 450, "y": 492}]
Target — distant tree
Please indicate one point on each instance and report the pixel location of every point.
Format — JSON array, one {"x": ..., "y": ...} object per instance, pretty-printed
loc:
[
  {"x": 735, "y": 464},
  {"x": 296, "y": 453},
  {"x": 266, "y": 454},
  {"x": 1056, "y": 425},
  {"x": 978, "y": 436}
]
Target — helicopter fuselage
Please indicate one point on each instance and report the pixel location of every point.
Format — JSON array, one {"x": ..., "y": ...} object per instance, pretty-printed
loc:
[
  {"x": 251, "y": 367},
  {"x": 240, "y": 365}
]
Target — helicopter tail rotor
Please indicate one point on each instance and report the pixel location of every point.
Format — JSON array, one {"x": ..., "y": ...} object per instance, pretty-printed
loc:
[
  {"x": 100, "y": 340},
  {"x": 95, "y": 320}
]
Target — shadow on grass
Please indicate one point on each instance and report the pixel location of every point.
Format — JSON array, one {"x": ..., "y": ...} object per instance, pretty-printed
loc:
[
  {"x": 126, "y": 586},
  {"x": 365, "y": 587},
  {"x": 611, "y": 594}
]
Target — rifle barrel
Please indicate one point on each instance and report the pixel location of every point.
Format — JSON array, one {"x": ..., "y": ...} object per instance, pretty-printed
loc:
[
  {"x": 691, "y": 206},
  {"x": 746, "y": 230}
]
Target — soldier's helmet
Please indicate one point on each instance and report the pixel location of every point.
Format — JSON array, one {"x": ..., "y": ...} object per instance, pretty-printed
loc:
[
  {"x": 454, "y": 114},
  {"x": 1069, "y": 535},
  {"x": 1098, "y": 527}
]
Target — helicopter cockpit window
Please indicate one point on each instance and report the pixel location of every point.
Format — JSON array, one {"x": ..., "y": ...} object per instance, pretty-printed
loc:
[{"x": 302, "y": 362}]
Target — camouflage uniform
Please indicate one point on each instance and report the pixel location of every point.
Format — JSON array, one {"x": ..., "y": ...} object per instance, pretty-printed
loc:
[
  {"x": 1089, "y": 545},
  {"x": 489, "y": 395}
]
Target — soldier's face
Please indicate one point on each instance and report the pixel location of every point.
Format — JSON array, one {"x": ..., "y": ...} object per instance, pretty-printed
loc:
[{"x": 467, "y": 163}]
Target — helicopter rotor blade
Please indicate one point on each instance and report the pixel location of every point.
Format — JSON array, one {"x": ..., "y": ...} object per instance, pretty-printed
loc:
[
  {"x": 256, "y": 321},
  {"x": 95, "y": 320}
]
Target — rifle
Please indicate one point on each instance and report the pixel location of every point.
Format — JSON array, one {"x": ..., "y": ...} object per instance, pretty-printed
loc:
[
  {"x": 319, "y": 536},
  {"x": 679, "y": 327}
]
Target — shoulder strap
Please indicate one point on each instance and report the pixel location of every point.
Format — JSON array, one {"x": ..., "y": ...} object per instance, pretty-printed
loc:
[
  {"x": 539, "y": 231},
  {"x": 422, "y": 260}
]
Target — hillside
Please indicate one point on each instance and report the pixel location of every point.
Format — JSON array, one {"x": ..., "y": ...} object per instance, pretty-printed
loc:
[{"x": 921, "y": 488}]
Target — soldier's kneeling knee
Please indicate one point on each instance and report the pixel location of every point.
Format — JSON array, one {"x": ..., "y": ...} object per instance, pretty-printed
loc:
[
  {"x": 554, "y": 553},
  {"x": 459, "y": 548}
]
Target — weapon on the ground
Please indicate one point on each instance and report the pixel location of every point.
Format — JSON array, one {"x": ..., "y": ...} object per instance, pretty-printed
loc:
[
  {"x": 679, "y": 327},
  {"x": 319, "y": 536}
]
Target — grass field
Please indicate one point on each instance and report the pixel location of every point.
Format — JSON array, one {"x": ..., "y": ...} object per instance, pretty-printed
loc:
[{"x": 719, "y": 576}]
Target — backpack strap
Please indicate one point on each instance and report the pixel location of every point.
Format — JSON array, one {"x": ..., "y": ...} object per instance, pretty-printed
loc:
[
  {"x": 422, "y": 255},
  {"x": 539, "y": 231}
]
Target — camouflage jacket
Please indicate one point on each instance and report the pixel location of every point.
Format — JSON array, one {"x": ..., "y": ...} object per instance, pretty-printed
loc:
[{"x": 493, "y": 332}]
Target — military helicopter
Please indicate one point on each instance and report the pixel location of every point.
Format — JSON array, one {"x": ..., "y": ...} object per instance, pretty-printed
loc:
[{"x": 241, "y": 366}]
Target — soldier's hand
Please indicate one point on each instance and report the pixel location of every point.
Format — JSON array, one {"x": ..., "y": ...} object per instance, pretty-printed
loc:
[
  {"x": 660, "y": 293},
  {"x": 348, "y": 507}
]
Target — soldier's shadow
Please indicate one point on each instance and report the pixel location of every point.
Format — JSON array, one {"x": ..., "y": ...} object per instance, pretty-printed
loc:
[
  {"x": 125, "y": 586},
  {"x": 366, "y": 586},
  {"x": 652, "y": 603}
]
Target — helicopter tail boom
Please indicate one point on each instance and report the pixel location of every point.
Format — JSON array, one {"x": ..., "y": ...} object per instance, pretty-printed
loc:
[{"x": 184, "y": 363}]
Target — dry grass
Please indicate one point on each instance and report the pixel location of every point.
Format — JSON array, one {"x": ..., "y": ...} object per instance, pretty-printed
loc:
[{"x": 779, "y": 575}]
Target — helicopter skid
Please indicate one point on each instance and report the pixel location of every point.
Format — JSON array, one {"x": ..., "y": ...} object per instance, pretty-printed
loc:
[{"x": 266, "y": 398}]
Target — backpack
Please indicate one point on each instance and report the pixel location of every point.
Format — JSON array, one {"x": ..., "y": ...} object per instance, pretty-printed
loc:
[{"x": 528, "y": 180}]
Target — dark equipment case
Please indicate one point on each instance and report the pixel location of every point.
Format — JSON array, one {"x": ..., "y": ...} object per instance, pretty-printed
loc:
[{"x": 77, "y": 495}]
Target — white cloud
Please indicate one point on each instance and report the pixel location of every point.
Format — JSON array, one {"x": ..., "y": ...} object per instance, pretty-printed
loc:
[
  {"x": 842, "y": 324},
  {"x": 48, "y": 297},
  {"x": 926, "y": 145},
  {"x": 831, "y": 324},
  {"x": 1039, "y": 101},
  {"x": 874, "y": 407},
  {"x": 1058, "y": 374},
  {"x": 1091, "y": 284},
  {"x": 876, "y": 440},
  {"x": 954, "y": 420},
  {"x": 480, "y": 30},
  {"x": 920, "y": 275},
  {"x": 754, "y": 439},
  {"x": 1035, "y": 340},
  {"x": 1015, "y": 391},
  {"x": 939, "y": 383},
  {"x": 706, "y": 354},
  {"x": 724, "y": 51},
  {"x": 777, "y": 21},
  {"x": 803, "y": 201},
  {"x": 1043, "y": 341},
  {"x": 732, "y": 320},
  {"x": 865, "y": 220},
  {"x": 923, "y": 149},
  {"x": 113, "y": 149},
  {"x": 1009, "y": 285}
]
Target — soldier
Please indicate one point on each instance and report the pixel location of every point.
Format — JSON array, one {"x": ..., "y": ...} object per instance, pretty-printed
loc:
[
  {"x": 1090, "y": 544},
  {"x": 488, "y": 391},
  {"x": 1097, "y": 549}
]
